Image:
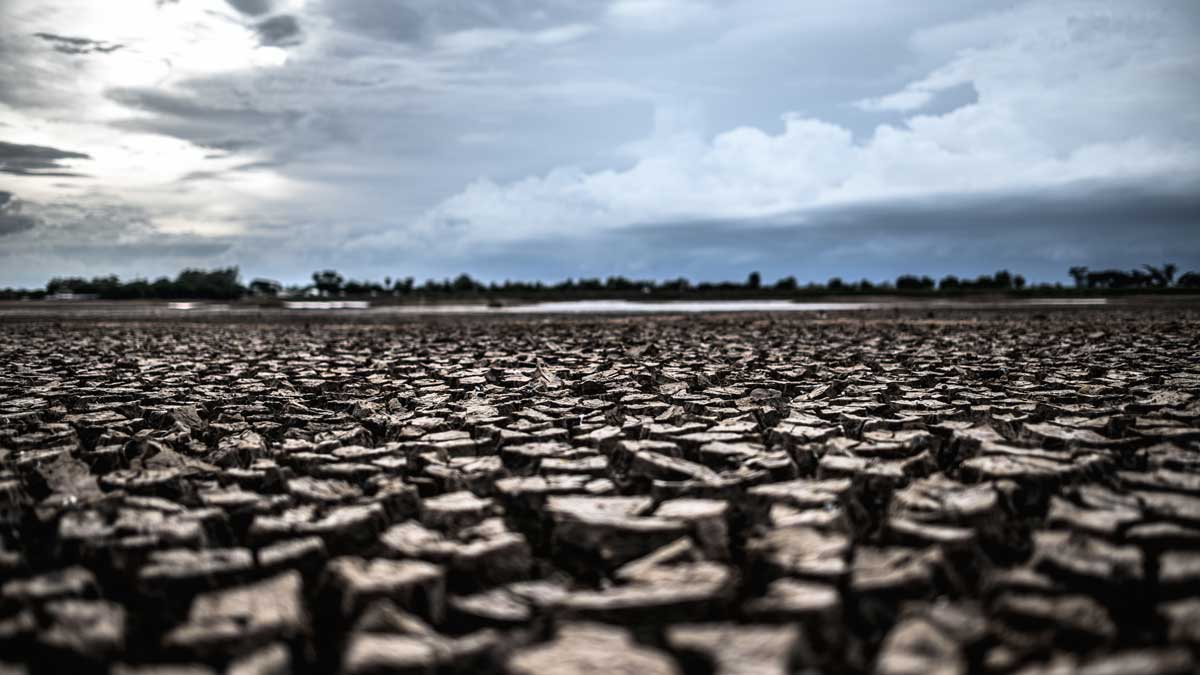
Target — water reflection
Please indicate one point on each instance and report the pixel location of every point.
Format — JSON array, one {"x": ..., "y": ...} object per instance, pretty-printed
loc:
[{"x": 581, "y": 307}]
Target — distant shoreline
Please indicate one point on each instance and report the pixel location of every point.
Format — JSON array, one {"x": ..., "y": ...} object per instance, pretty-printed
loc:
[
  {"x": 499, "y": 301},
  {"x": 323, "y": 311}
]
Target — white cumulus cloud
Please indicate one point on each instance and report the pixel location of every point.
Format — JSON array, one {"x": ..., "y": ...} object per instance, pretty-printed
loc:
[{"x": 1065, "y": 93}]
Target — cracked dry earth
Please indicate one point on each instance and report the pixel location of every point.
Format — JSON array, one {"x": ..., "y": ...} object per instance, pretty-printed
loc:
[{"x": 991, "y": 493}]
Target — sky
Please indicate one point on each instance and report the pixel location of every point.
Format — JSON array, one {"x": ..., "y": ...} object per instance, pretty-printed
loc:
[{"x": 545, "y": 139}]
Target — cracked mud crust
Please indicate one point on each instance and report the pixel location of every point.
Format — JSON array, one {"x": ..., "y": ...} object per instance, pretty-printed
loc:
[{"x": 994, "y": 492}]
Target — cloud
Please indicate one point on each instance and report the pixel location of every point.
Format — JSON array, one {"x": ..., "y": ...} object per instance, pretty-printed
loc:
[
  {"x": 917, "y": 95},
  {"x": 1046, "y": 115},
  {"x": 562, "y": 34},
  {"x": 11, "y": 218},
  {"x": 389, "y": 21},
  {"x": 282, "y": 30},
  {"x": 420, "y": 22},
  {"x": 233, "y": 170},
  {"x": 36, "y": 160},
  {"x": 476, "y": 40},
  {"x": 1039, "y": 233},
  {"x": 659, "y": 15},
  {"x": 910, "y": 98},
  {"x": 78, "y": 45},
  {"x": 96, "y": 233},
  {"x": 228, "y": 125},
  {"x": 406, "y": 136},
  {"x": 178, "y": 248},
  {"x": 251, "y": 7}
]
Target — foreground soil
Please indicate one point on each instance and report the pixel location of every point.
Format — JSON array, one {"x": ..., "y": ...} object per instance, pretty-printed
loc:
[{"x": 985, "y": 492}]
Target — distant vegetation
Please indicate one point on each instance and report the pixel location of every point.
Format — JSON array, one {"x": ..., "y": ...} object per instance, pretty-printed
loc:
[
  {"x": 225, "y": 284},
  {"x": 218, "y": 284}
]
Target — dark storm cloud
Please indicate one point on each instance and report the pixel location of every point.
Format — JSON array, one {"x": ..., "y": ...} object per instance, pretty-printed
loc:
[
  {"x": 185, "y": 107},
  {"x": 78, "y": 45},
  {"x": 391, "y": 21},
  {"x": 36, "y": 160},
  {"x": 251, "y": 7},
  {"x": 1035, "y": 232},
  {"x": 1039, "y": 234},
  {"x": 12, "y": 223},
  {"x": 248, "y": 166},
  {"x": 193, "y": 119},
  {"x": 11, "y": 219},
  {"x": 282, "y": 30},
  {"x": 167, "y": 247},
  {"x": 231, "y": 145},
  {"x": 1098, "y": 207},
  {"x": 411, "y": 21},
  {"x": 92, "y": 234}
]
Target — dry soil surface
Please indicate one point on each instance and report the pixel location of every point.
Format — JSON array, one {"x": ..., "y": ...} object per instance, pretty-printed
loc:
[{"x": 976, "y": 492}]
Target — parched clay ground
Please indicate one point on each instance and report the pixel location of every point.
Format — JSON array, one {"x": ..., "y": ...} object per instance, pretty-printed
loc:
[{"x": 976, "y": 492}]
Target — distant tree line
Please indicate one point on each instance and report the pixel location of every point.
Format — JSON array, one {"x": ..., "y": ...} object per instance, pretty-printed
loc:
[
  {"x": 224, "y": 284},
  {"x": 218, "y": 284},
  {"x": 331, "y": 283},
  {"x": 1146, "y": 277}
]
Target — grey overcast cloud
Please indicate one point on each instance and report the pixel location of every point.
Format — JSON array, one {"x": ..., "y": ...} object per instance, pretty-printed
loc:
[{"x": 540, "y": 139}]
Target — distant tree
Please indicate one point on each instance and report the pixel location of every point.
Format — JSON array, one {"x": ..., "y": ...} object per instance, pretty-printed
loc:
[
  {"x": 835, "y": 284},
  {"x": 1161, "y": 277},
  {"x": 353, "y": 287},
  {"x": 163, "y": 287},
  {"x": 754, "y": 281},
  {"x": 1079, "y": 274},
  {"x": 22, "y": 294},
  {"x": 1189, "y": 280},
  {"x": 266, "y": 287},
  {"x": 109, "y": 287},
  {"x": 69, "y": 285},
  {"x": 136, "y": 289},
  {"x": 435, "y": 286},
  {"x": 618, "y": 284},
  {"x": 909, "y": 282},
  {"x": 680, "y": 285},
  {"x": 1018, "y": 282},
  {"x": 463, "y": 283},
  {"x": 1120, "y": 279},
  {"x": 218, "y": 284},
  {"x": 949, "y": 283},
  {"x": 328, "y": 282},
  {"x": 786, "y": 284}
]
